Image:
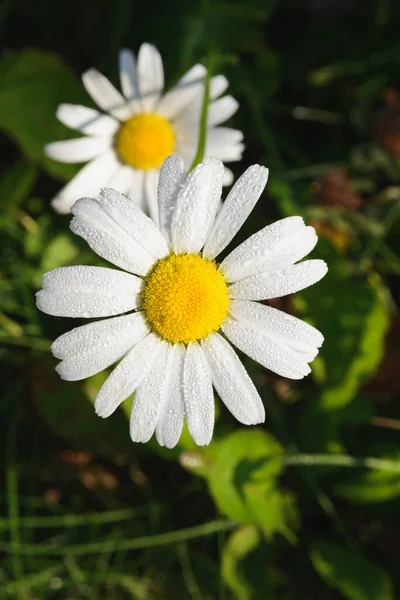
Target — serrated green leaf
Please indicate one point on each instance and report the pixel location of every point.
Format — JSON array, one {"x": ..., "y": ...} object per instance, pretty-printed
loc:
[
  {"x": 243, "y": 480},
  {"x": 352, "y": 574},
  {"x": 238, "y": 546},
  {"x": 32, "y": 85}
]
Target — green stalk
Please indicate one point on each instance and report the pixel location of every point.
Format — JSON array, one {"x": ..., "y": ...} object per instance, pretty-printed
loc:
[{"x": 201, "y": 147}]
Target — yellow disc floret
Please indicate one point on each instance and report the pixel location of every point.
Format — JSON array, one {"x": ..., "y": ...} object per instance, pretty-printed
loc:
[
  {"x": 145, "y": 141},
  {"x": 185, "y": 298}
]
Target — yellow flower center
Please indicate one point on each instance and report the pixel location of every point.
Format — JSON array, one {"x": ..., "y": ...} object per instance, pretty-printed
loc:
[
  {"x": 185, "y": 298},
  {"x": 145, "y": 141}
]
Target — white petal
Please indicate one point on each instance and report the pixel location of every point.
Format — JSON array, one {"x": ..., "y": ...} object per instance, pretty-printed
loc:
[
  {"x": 136, "y": 191},
  {"x": 150, "y": 76},
  {"x": 170, "y": 182},
  {"x": 285, "y": 329},
  {"x": 108, "y": 239},
  {"x": 133, "y": 221},
  {"x": 170, "y": 422},
  {"x": 150, "y": 397},
  {"x": 221, "y": 110},
  {"x": 235, "y": 210},
  {"x": 128, "y": 375},
  {"x": 87, "y": 182},
  {"x": 106, "y": 96},
  {"x": 150, "y": 191},
  {"x": 183, "y": 93},
  {"x": 93, "y": 347},
  {"x": 122, "y": 179},
  {"x": 232, "y": 382},
  {"x": 88, "y": 292},
  {"x": 274, "y": 284},
  {"x": 228, "y": 177},
  {"x": 128, "y": 77},
  {"x": 272, "y": 248},
  {"x": 218, "y": 85},
  {"x": 86, "y": 120},
  {"x": 196, "y": 206},
  {"x": 265, "y": 350},
  {"x": 78, "y": 150},
  {"x": 198, "y": 395},
  {"x": 224, "y": 143}
]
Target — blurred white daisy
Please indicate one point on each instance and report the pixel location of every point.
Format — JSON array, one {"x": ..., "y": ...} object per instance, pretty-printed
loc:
[
  {"x": 127, "y": 143},
  {"x": 182, "y": 306}
]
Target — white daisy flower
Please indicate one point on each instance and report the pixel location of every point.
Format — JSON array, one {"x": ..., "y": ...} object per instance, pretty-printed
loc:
[
  {"x": 182, "y": 307},
  {"x": 127, "y": 143}
]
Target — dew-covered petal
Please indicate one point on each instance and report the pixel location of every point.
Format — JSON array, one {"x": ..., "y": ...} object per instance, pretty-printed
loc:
[
  {"x": 108, "y": 239},
  {"x": 150, "y": 397},
  {"x": 78, "y": 150},
  {"x": 232, "y": 382},
  {"x": 183, "y": 93},
  {"x": 274, "y": 284},
  {"x": 87, "y": 182},
  {"x": 170, "y": 422},
  {"x": 84, "y": 291},
  {"x": 196, "y": 206},
  {"x": 272, "y": 248},
  {"x": 198, "y": 395},
  {"x": 235, "y": 210},
  {"x": 150, "y": 76},
  {"x": 284, "y": 328},
  {"x": 150, "y": 191},
  {"x": 106, "y": 96},
  {"x": 128, "y": 78},
  {"x": 265, "y": 350},
  {"x": 170, "y": 182},
  {"x": 93, "y": 347},
  {"x": 86, "y": 120},
  {"x": 133, "y": 221},
  {"x": 127, "y": 375}
]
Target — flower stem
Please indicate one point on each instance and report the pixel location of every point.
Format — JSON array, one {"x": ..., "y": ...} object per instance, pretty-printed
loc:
[
  {"x": 201, "y": 147},
  {"x": 341, "y": 460}
]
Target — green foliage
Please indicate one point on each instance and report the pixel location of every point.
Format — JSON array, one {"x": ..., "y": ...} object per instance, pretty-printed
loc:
[
  {"x": 372, "y": 487},
  {"x": 237, "y": 548},
  {"x": 352, "y": 574},
  {"x": 32, "y": 85},
  {"x": 354, "y": 320},
  {"x": 16, "y": 184},
  {"x": 243, "y": 480},
  {"x": 68, "y": 412},
  {"x": 89, "y": 514}
]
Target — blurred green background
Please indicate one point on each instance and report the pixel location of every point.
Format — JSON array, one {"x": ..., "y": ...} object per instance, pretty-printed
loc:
[{"x": 295, "y": 509}]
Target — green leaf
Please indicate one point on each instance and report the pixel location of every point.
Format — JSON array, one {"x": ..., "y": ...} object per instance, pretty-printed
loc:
[
  {"x": 243, "y": 480},
  {"x": 32, "y": 85},
  {"x": 352, "y": 574},
  {"x": 61, "y": 251},
  {"x": 238, "y": 546},
  {"x": 353, "y": 318}
]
